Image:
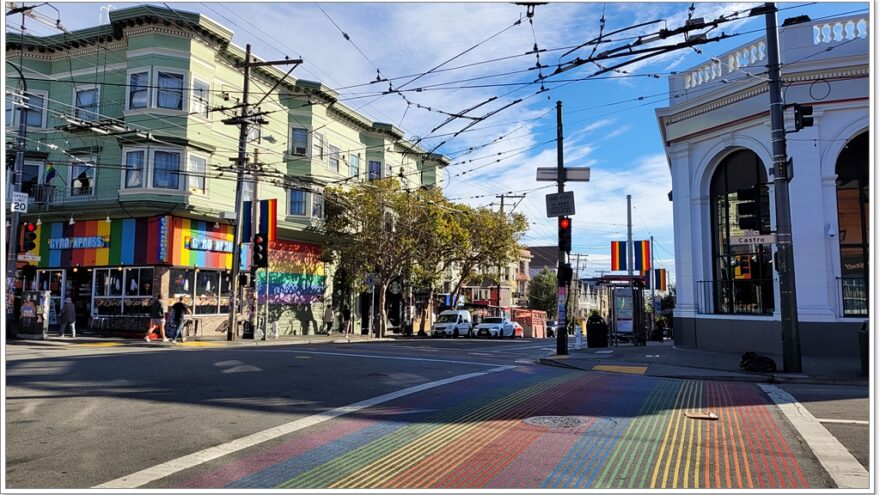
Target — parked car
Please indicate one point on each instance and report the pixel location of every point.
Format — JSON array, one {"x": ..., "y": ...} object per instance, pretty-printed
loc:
[
  {"x": 551, "y": 328},
  {"x": 517, "y": 330},
  {"x": 452, "y": 323},
  {"x": 495, "y": 326}
]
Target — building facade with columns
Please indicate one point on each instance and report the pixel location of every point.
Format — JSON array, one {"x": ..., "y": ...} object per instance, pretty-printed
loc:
[{"x": 716, "y": 134}]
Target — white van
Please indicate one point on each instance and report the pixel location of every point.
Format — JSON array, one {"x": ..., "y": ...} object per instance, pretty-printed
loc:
[{"x": 452, "y": 323}]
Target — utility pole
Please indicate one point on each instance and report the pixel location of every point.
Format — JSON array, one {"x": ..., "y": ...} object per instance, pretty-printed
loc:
[
  {"x": 255, "y": 228},
  {"x": 245, "y": 119},
  {"x": 502, "y": 196},
  {"x": 653, "y": 280},
  {"x": 21, "y": 142},
  {"x": 562, "y": 300},
  {"x": 630, "y": 262},
  {"x": 782, "y": 173}
]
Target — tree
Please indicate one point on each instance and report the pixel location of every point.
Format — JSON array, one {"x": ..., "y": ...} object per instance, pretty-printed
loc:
[
  {"x": 493, "y": 240},
  {"x": 371, "y": 228},
  {"x": 542, "y": 292},
  {"x": 667, "y": 304}
]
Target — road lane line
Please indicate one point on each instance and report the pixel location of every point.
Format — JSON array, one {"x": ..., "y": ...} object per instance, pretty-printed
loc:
[
  {"x": 165, "y": 469},
  {"x": 380, "y": 356},
  {"x": 843, "y": 468}
]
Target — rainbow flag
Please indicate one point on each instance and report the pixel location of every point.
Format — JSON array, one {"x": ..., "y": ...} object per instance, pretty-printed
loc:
[
  {"x": 618, "y": 255},
  {"x": 268, "y": 219},
  {"x": 51, "y": 173},
  {"x": 657, "y": 281},
  {"x": 643, "y": 255}
]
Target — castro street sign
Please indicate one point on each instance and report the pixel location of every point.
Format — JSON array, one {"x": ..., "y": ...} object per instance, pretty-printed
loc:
[{"x": 754, "y": 239}]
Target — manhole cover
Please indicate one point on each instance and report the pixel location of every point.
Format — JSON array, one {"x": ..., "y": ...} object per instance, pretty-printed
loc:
[{"x": 555, "y": 421}]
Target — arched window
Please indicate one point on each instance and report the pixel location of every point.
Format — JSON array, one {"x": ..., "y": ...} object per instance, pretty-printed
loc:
[
  {"x": 852, "y": 218},
  {"x": 743, "y": 273}
]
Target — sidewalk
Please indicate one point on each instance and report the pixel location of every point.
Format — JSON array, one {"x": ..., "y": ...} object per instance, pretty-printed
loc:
[
  {"x": 215, "y": 341},
  {"x": 663, "y": 359}
]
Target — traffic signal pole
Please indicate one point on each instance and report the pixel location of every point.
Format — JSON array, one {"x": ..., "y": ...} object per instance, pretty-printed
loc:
[
  {"x": 791, "y": 344},
  {"x": 562, "y": 299}
]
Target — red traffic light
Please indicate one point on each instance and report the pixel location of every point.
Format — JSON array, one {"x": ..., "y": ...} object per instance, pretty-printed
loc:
[
  {"x": 258, "y": 239},
  {"x": 564, "y": 223},
  {"x": 30, "y": 227}
]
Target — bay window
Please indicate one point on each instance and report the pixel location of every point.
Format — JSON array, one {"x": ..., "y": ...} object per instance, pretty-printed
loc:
[
  {"x": 138, "y": 90},
  {"x": 201, "y": 98},
  {"x": 86, "y": 104},
  {"x": 354, "y": 165},
  {"x": 375, "y": 170},
  {"x": 36, "y": 109},
  {"x": 297, "y": 204},
  {"x": 197, "y": 171},
  {"x": 134, "y": 169},
  {"x": 166, "y": 170},
  {"x": 333, "y": 163},
  {"x": 299, "y": 140}
]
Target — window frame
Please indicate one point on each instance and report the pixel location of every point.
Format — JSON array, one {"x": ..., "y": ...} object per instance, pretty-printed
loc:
[
  {"x": 123, "y": 294},
  {"x": 319, "y": 144},
  {"x": 333, "y": 154},
  {"x": 354, "y": 165},
  {"x": 196, "y": 101},
  {"x": 191, "y": 174},
  {"x": 317, "y": 204},
  {"x": 44, "y": 110},
  {"x": 149, "y": 169},
  {"x": 77, "y": 110},
  {"x": 157, "y": 73},
  {"x": 145, "y": 158},
  {"x": 290, "y": 202},
  {"x": 370, "y": 175},
  {"x": 92, "y": 161},
  {"x": 192, "y": 293},
  {"x": 148, "y": 88},
  {"x": 292, "y": 148},
  {"x": 180, "y": 159}
]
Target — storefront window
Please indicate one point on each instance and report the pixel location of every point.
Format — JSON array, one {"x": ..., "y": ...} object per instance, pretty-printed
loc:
[
  {"x": 207, "y": 290},
  {"x": 123, "y": 291},
  {"x": 743, "y": 273},
  {"x": 853, "y": 217}
]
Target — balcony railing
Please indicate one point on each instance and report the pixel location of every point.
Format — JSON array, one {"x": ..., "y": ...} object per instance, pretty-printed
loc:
[
  {"x": 854, "y": 296},
  {"x": 45, "y": 196},
  {"x": 805, "y": 41}
]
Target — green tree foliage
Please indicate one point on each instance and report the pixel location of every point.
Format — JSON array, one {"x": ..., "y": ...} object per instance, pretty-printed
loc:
[{"x": 542, "y": 292}]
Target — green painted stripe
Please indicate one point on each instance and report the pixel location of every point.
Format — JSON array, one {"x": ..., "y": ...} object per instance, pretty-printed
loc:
[
  {"x": 45, "y": 232},
  {"x": 368, "y": 479},
  {"x": 631, "y": 438},
  {"x": 354, "y": 460},
  {"x": 115, "y": 254},
  {"x": 647, "y": 457}
]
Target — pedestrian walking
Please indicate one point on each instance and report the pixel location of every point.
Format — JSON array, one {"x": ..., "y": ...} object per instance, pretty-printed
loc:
[
  {"x": 68, "y": 317},
  {"x": 178, "y": 311},
  {"x": 346, "y": 320},
  {"x": 328, "y": 318},
  {"x": 157, "y": 318}
]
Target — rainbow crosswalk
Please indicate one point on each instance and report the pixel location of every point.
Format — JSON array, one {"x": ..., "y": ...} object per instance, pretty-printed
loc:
[{"x": 632, "y": 433}]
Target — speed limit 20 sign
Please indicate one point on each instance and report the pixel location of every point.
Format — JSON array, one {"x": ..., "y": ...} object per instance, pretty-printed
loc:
[{"x": 19, "y": 203}]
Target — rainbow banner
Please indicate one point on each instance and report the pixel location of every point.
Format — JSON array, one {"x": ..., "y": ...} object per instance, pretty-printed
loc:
[
  {"x": 296, "y": 274},
  {"x": 657, "y": 280},
  {"x": 618, "y": 255},
  {"x": 642, "y": 261},
  {"x": 268, "y": 219},
  {"x": 122, "y": 241},
  {"x": 199, "y": 243}
]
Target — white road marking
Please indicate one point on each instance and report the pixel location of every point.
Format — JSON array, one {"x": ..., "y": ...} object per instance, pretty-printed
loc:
[
  {"x": 380, "y": 356},
  {"x": 165, "y": 469},
  {"x": 844, "y": 421},
  {"x": 843, "y": 468}
]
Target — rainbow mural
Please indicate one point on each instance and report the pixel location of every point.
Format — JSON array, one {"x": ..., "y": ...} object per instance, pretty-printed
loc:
[
  {"x": 129, "y": 241},
  {"x": 199, "y": 243},
  {"x": 296, "y": 274}
]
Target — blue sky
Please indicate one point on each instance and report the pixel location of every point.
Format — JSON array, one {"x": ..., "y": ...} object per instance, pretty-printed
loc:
[{"x": 607, "y": 126}]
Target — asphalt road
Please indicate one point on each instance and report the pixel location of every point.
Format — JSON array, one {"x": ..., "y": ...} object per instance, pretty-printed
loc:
[{"x": 409, "y": 414}]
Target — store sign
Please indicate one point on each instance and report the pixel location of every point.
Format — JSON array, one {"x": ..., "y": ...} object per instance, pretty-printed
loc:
[
  {"x": 207, "y": 244},
  {"x": 78, "y": 243}
]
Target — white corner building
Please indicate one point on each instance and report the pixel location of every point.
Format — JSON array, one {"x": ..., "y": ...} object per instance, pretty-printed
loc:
[{"x": 716, "y": 135}]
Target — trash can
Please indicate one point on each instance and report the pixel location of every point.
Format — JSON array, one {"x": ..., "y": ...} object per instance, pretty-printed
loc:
[
  {"x": 597, "y": 333},
  {"x": 863, "y": 347}
]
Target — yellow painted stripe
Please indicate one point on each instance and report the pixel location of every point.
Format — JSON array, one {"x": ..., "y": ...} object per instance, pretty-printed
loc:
[
  {"x": 387, "y": 467},
  {"x": 202, "y": 344},
  {"x": 693, "y": 425},
  {"x": 663, "y": 444},
  {"x": 632, "y": 370},
  {"x": 699, "y": 447},
  {"x": 684, "y": 428},
  {"x": 185, "y": 232},
  {"x": 100, "y": 344},
  {"x": 102, "y": 255}
]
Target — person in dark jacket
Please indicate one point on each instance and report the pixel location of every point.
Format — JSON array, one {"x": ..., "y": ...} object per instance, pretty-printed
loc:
[
  {"x": 68, "y": 317},
  {"x": 157, "y": 318}
]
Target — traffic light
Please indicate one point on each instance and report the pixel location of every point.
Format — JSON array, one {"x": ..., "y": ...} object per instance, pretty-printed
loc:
[
  {"x": 803, "y": 116},
  {"x": 565, "y": 234},
  {"x": 29, "y": 237},
  {"x": 563, "y": 275},
  {"x": 261, "y": 252}
]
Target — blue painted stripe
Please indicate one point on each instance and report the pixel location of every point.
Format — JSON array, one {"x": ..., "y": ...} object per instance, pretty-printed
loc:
[
  {"x": 126, "y": 256},
  {"x": 57, "y": 231}
]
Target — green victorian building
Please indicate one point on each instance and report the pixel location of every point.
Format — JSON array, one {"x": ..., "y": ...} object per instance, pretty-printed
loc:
[{"x": 129, "y": 169}]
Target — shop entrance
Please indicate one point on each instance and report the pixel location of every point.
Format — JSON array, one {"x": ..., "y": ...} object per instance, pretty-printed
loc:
[{"x": 79, "y": 289}]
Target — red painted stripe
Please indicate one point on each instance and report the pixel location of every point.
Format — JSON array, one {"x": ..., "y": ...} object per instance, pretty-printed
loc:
[
  {"x": 791, "y": 467},
  {"x": 766, "y": 442}
]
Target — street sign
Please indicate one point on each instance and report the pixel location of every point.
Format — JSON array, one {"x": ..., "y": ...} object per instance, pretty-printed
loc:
[
  {"x": 754, "y": 239},
  {"x": 560, "y": 204},
  {"x": 28, "y": 257},
  {"x": 19, "y": 203},
  {"x": 573, "y": 174}
]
